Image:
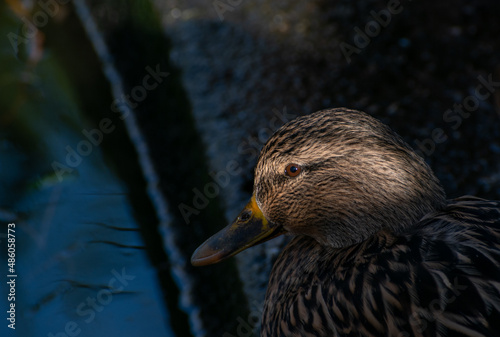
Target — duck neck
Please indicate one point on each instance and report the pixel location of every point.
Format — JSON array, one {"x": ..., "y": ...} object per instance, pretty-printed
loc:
[{"x": 373, "y": 212}]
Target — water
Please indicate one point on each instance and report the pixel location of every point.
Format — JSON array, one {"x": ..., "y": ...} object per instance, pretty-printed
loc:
[{"x": 97, "y": 253}]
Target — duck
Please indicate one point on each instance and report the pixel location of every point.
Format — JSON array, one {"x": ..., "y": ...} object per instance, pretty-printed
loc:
[{"x": 376, "y": 248}]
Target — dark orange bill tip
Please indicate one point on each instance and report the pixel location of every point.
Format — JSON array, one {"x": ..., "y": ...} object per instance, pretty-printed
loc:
[
  {"x": 249, "y": 229},
  {"x": 205, "y": 255}
]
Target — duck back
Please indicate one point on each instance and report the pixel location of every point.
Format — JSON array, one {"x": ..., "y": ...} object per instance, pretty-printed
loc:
[{"x": 441, "y": 277}]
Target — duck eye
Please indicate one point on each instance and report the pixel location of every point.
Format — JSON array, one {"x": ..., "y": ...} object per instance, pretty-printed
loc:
[{"x": 293, "y": 170}]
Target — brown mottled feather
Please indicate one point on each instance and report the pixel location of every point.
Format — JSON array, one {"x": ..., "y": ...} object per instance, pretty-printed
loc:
[
  {"x": 441, "y": 278},
  {"x": 378, "y": 251}
]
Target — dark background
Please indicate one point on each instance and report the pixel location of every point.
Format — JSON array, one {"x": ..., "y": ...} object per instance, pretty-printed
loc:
[{"x": 129, "y": 131}]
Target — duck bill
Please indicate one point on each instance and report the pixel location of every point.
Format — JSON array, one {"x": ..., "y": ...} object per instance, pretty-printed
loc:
[{"x": 249, "y": 229}]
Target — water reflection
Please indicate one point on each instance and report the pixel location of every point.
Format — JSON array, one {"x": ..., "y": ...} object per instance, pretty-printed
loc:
[{"x": 81, "y": 266}]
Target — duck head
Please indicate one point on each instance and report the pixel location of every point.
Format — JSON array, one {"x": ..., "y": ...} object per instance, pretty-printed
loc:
[{"x": 338, "y": 176}]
